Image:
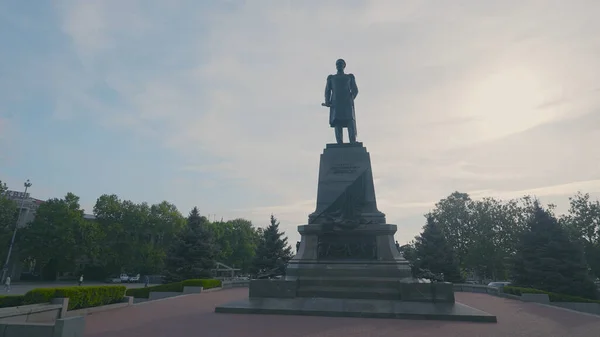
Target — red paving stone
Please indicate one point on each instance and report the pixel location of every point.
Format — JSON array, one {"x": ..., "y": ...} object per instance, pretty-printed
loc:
[{"x": 193, "y": 315}]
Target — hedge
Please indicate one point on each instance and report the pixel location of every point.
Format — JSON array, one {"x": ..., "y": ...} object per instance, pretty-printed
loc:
[
  {"x": 79, "y": 297},
  {"x": 554, "y": 297},
  {"x": 11, "y": 301},
  {"x": 173, "y": 287}
]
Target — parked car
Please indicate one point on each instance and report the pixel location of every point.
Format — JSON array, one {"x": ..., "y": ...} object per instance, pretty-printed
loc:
[
  {"x": 113, "y": 279},
  {"x": 124, "y": 278},
  {"x": 134, "y": 279},
  {"x": 499, "y": 284}
]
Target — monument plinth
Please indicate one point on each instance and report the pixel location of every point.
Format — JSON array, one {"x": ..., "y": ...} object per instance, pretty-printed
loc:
[{"x": 347, "y": 263}]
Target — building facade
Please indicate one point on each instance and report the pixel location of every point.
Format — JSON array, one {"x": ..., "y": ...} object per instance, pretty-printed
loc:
[{"x": 30, "y": 206}]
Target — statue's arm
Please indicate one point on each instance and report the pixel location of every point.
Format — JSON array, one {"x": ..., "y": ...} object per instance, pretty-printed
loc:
[
  {"x": 353, "y": 86},
  {"x": 328, "y": 91}
]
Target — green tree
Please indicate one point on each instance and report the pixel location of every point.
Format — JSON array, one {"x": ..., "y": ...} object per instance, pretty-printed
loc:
[
  {"x": 136, "y": 236},
  {"x": 192, "y": 253},
  {"x": 55, "y": 238},
  {"x": 583, "y": 223},
  {"x": 454, "y": 215},
  {"x": 273, "y": 251},
  {"x": 483, "y": 233},
  {"x": 8, "y": 219},
  {"x": 116, "y": 247},
  {"x": 434, "y": 254},
  {"x": 547, "y": 258},
  {"x": 237, "y": 240},
  {"x": 409, "y": 253}
]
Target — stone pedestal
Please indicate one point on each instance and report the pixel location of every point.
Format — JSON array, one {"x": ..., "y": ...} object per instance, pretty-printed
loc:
[
  {"x": 345, "y": 173},
  {"x": 347, "y": 263}
]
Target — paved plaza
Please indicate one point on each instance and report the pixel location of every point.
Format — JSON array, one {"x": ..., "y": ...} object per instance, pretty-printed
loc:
[{"x": 193, "y": 315}]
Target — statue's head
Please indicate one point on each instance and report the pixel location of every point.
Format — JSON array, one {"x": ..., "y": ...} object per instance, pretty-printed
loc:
[{"x": 340, "y": 64}]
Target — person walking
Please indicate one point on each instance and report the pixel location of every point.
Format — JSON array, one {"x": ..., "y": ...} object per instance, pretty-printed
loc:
[
  {"x": 146, "y": 281},
  {"x": 81, "y": 279},
  {"x": 7, "y": 284}
]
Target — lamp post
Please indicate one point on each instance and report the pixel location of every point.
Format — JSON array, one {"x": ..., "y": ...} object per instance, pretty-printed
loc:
[{"x": 27, "y": 185}]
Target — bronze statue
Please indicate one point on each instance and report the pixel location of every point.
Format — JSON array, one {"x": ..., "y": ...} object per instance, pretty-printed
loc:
[{"x": 340, "y": 92}]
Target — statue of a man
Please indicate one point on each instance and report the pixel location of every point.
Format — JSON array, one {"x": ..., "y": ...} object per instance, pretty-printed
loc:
[{"x": 340, "y": 92}]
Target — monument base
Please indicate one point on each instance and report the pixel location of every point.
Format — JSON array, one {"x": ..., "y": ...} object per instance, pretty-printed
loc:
[
  {"x": 405, "y": 300},
  {"x": 347, "y": 263},
  {"x": 338, "y": 307}
]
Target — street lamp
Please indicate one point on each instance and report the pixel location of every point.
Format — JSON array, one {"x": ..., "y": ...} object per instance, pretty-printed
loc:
[{"x": 27, "y": 185}]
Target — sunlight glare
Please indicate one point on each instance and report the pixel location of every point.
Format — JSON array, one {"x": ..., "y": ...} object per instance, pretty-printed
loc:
[{"x": 507, "y": 102}]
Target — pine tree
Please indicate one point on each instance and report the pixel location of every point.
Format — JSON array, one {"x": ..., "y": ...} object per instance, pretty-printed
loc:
[
  {"x": 192, "y": 254},
  {"x": 273, "y": 251},
  {"x": 547, "y": 259},
  {"x": 433, "y": 255}
]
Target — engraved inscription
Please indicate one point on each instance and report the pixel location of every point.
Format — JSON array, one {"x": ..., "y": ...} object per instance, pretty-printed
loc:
[
  {"x": 347, "y": 247},
  {"x": 343, "y": 168}
]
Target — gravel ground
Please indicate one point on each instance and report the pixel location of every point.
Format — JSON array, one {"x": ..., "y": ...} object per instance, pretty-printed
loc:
[{"x": 193, "y": 315}]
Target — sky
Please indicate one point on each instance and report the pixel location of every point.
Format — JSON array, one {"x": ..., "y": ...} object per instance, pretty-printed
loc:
[{"x": 216, "y": 104}]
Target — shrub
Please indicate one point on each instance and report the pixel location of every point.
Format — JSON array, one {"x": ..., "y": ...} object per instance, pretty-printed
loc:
[
  {"x": 138, "y": 292},
  {"x": 39, "y": 295},
  {"x": 11, "y": 301},
  {"x": 207, "y": 284},
  {"x": 554, "y": 297},
  {"x": 173, "y": 287},
  {"x": 79, "y": 297},
  {"x": 87, "y": 297}
]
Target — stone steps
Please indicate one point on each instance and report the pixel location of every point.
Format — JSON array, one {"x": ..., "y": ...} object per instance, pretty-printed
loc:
[
  {"x": 348, "y": 292},
  {"x": 354, "y": 282}
]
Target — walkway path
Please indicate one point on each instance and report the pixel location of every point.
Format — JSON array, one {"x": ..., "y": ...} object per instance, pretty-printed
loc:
[{"x": 193, "y": 315}]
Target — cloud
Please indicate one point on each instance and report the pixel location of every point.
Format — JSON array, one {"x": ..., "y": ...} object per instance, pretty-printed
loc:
[{"x": 465, "y": 95}]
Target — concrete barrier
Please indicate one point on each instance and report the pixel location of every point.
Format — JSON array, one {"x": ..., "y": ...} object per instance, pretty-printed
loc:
[
  {"x": 64, "y": 327},
  {"x": 235, "y": 283},
  {"x": 536, "y": 298},
  {"x": 35, "y": 313},
  {"x": 50, "y": 312},
  {"x": 127, "y": 301},
  {"x": 192, "y": 290},
  {"x": 157, "y": 295},
  {"x": 590, "y": 308}
]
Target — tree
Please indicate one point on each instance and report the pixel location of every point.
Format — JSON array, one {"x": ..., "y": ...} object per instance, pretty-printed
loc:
[
  {"x": 192, "y": 252},
  {"x": 547, "y": 258},
  {"x": 237, "y": 240},
  {"x": 432, "y": 253},
  {"x": 273, "y": 251},
  {"x": 136, "y": 236},
  {"x": 453, "y": 214},
  {"x": 55, "y": 237},
  {"x": 8, "y": 219},
  {"x": 583, "y": 223},
  {"x": 483, "y": 233}
]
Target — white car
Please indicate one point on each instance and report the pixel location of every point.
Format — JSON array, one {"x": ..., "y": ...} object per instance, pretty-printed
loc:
[
  {"x": 498, "y": 284},
  {"x": 113, "y": 279},
  {"x": 133, "y": 279},
  {"x": 124, "y": 278}
]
